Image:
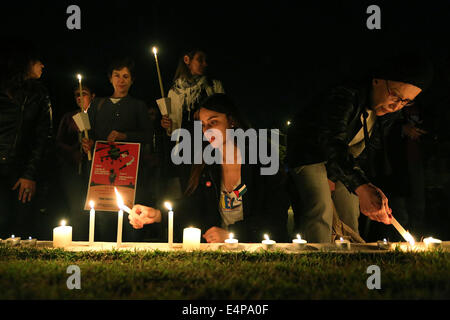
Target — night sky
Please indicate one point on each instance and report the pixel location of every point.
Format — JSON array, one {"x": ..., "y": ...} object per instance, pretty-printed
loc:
[{"x": 272, "y": 56}]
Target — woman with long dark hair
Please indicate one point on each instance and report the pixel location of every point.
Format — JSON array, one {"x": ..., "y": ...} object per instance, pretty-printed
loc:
[
  {"x": 191, "y": 85},
  {"x": 229, "y": 196},
  {"x": 25, "y": 126}
]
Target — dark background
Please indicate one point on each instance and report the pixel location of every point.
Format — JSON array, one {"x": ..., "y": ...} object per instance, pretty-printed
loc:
[{"x": 272, "y": 56}]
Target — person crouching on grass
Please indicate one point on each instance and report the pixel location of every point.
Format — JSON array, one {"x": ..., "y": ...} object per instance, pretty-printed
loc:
[
  {"x": 227, "y": 197},
  {"x": 332, "y": 143}
]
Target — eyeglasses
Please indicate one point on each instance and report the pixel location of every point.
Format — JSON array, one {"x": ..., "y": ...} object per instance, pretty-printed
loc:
[{"x": 396, "y": 99}]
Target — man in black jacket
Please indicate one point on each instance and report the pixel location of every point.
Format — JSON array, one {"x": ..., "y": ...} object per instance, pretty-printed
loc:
[{"x": 329, "y": 145}]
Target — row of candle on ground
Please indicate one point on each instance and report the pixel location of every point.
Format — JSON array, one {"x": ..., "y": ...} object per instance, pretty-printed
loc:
[
  {"x": 62, "y": 237},
  {"x": 15, "y": 241}
]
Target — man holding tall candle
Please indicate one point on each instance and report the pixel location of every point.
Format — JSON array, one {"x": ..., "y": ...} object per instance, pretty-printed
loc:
[{"x": 332, "y": 143}]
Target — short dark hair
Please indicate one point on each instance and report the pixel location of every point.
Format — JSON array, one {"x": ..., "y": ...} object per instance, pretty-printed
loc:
[{"x": 120, "y": 63}]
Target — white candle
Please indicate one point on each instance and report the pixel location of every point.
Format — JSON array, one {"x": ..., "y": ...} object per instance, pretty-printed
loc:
[
  {"x": 155, "y": 51},
  {"x": 383, "y": 244},
  {"x": 120, "y": 216},
  {"x": 430, "y": 242},
  {"x": 191, "y": 238},
  {"x": 119, "y": 227},
  {"x": 342, "y": 244},
  {"x": 267, "y": 243},
  {"x": 91, "y": 223},
  {"x": 62, "y": 235},
  {"x": 168, "y": 205},
  {"x": 13, "y": 241},
  {"x": 30, "y": 242},
  {"x": 231, "y": 243},
  {"x": 81, "y": 93},
  {"x": 299, "y": 242}
]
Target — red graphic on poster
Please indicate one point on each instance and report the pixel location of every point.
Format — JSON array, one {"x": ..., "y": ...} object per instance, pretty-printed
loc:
[{"x": 114, "y": 164}]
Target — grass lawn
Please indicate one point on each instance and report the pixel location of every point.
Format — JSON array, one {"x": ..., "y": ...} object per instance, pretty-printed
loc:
[{"x": 32, "y": 273}]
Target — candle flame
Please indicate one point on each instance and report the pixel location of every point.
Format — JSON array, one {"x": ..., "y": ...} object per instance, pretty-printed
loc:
[
  {"x": 266, "y": 237},
  {"x": 119, "y": 198},
  {"x": 231, "y": 235},
  {"x": 299, "y": 237},
  {"x": 29, "y": 238},
  {"x": 79, "y": 76},
  {"x": 341, "y": 239},
  {"x": 384, "y": 240},
  {"x": 13, "y": 236},
  {"x": 155, "y": 50},
  {"x": 168, "y": 205},
  {"x": 91, "y": 203},
  {"x": 288, "y": 123},
  {"x": 63, "y": 222}
]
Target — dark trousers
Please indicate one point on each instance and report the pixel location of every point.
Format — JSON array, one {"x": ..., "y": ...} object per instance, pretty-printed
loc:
[{"x": 15, "y": 217}]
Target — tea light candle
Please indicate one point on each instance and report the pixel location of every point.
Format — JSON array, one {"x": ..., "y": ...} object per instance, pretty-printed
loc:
[
  {"x": 231, "y": 243},
  {"x": 13, "y": 241},
  {"x": 91, "y": 223},
  {"x": 267, "y": 243},
  {"x": 299, "y": 243},
  {"x": 62, "y": 235},
  {"x": 431, "y": 243},
  {"x": 168, "y": 205},
  {"x": 30, "y": 242},
  {"x": 342, "y": 244},
  {"x": 191, "y": 238},
  {"x": 383, "y": 244}
]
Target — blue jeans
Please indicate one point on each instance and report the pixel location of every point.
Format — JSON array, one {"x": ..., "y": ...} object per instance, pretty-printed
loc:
[{"x": 314, "y": 214}]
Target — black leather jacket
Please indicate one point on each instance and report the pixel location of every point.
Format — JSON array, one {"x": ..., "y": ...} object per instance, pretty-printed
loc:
[
  {"x": 266, "y": 203},
  {"x": 25, "y": 127},
  {"x": 323, "y": 131}
]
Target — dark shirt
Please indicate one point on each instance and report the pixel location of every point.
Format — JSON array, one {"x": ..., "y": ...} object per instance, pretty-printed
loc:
[
  {"x": 265, "y": 206},
  {"x": 128, "y": 116},
  {"x": 68, "y": 140}
]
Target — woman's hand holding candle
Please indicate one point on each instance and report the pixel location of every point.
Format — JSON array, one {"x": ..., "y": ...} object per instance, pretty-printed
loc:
[
  {"x": 216, "y": 235},
  {"x": 87, "y": 144},
  {"x": 142, "y": 215}
]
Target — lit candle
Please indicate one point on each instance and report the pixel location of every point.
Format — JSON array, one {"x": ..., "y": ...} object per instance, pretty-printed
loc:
[
  {"x": 120, "y": 203},
  {"x": 383, "y": 244},
  {"x": 13, "y": 241},
  {"x": 30, "y": 242},
  {"x": 191, "y": 238},
  {"x": 342, "y": 244},
  {"x": 119, "y": 217},
  {"x": 82, "y": 110},
  {"x": 267, "y": 243},
  {"x": 405, "y": 234},
  {"x": 231, "y": 243},
  {"x": 91, "y": 223},
  {"x": 299, "y": 242},
  {"x": 62, "y": 235},
  {"x": 81, "y": 93},
  {"x": 168, "y": 205},
  {"x": 430, "y": 242},
  {"x": 155, "y": 51}
]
